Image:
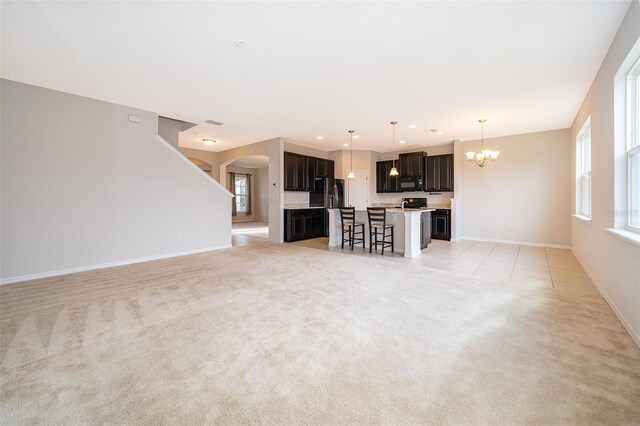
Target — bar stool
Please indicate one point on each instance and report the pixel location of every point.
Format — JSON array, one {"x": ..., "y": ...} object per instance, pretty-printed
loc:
[
  {"x": 378, "y": 225},
  {"x": 350, "y": 226}
]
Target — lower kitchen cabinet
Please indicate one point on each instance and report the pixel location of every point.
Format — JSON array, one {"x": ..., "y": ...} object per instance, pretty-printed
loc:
[
  {"x": 302, "y": 224},
  {"x": 425, "y": 230},
  {"x": 441, "y": 224}
]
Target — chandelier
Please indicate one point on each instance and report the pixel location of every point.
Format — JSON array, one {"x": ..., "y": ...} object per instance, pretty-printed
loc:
[
  {"x": 483, "y": 154},
  {"x": 394, "y": 171},
  {"x": 351, "y": 174}
]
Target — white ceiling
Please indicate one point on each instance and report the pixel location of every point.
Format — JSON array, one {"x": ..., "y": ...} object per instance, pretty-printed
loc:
[{"x": 318, "y": 69}]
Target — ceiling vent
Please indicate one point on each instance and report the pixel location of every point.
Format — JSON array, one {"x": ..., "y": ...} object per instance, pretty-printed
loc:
[{"x": 215, "y": 123}]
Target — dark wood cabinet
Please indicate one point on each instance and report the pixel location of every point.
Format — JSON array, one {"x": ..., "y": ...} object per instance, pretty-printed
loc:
[
  {"x": 297, "y": 228},
  {"x": 289, "y": 171},
  {"x": 411, "y": 164},
  {"x": 311, "y": 174},
  {"x": 431, "y": 173},
  {"x": 318, "y": 222},
  {"x": 441, "y": 224},
  {"x": 321, "y": 167},
  {"x": 301, "y": 171},
  {"x": 446, "y": 172},
  {"x": 439, "y": 173},
  {"x": 325, "y": 168},
  {"x": 384, "y": 182},
  {"x": 301, "y": 224},
  {"x": 300, "y": 164},
  {"x": 425, "y": 230},
  {"x": 331, "y": 169}
]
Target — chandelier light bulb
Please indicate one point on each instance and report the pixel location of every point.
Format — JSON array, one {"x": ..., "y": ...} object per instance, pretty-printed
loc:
[{"x": 483, "y": 153}]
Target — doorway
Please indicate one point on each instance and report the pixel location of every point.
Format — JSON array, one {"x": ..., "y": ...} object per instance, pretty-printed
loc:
[
  {"x": 358, "y": 190},
  {"x": 248, "y": 179}
]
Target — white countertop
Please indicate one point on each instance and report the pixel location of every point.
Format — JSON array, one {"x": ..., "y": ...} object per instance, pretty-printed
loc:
[{"x": 397, "y": 210}]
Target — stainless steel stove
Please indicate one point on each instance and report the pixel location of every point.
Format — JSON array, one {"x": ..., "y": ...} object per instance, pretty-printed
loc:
[{"x": 415, "y": 203}]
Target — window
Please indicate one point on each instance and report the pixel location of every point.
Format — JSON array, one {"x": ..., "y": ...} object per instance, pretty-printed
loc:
[
  {"x": 241, "y": 193},
  {"x": 633, "y": 148},
  {"x": 583, "y": 170}
]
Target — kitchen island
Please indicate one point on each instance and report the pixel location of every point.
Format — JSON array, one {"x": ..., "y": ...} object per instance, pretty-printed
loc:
[{"x": 407, "y": 228}]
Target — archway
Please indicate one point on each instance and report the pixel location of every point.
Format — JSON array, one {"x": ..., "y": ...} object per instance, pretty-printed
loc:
[{"x": 248, "y": 178}]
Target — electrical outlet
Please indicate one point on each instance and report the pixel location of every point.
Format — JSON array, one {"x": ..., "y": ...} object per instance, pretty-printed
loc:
[
  {"x": 179, "y": 234},
  {"x": 510, "y": 226}
]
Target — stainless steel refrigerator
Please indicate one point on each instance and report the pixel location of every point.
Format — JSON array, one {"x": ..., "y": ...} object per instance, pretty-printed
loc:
[{"x": 328, "y": 193}]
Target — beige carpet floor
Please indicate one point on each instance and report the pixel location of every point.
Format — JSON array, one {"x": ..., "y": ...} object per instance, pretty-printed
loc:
[{"x": 279, "y": 334}]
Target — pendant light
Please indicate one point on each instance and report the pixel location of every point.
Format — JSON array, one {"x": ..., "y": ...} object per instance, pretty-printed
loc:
[
  {"x": 394, "y": 171},
  {"x": 483, "y": 154},
  {"x": 351, "y": 175}
]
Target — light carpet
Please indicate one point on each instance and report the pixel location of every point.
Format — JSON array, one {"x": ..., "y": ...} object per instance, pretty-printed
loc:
[{"x": 278, "y": 334}]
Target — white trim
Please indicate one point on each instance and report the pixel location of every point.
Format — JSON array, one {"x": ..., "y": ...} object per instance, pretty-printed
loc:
[
  {"x": 635, "y": 337},
  {"x": 582, "y": 218},
  {"x": 67, "y": 271},
  {"x": 515, "y": 242},
  {"x": 628, "y": 236},
  {"x": 190, "y": 163}
]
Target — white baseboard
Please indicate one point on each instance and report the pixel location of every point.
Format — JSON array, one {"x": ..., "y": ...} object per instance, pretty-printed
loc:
[
  {"x": 520, "y": 243},
  {"x": 634, "y": 336},
  {"x": 67, "y": 271}
]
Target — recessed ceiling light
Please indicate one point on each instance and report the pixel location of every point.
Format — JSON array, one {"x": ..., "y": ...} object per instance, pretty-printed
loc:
[
  {"x": 436, "y": 131},
  {"x": 345, "y": 144},
  {"x": 208, "y": 142},
  {"x": 319, "y": 137},
  {"x": 402, "y": 142},
  {"x": 356, "y": 137},
  {"x": 412, "y": 126}
]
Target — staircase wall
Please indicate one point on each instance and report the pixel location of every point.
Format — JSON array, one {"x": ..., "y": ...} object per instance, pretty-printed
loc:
[{"x": 83, "y": 187}]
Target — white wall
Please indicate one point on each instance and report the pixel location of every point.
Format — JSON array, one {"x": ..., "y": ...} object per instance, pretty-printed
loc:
[
  {"x": 291, "y": 146},
  {"x": 524, "y": 196},
  {"x": 83, "y": 186},
  {"x": 274, "y": 150},
  {"x": 613, "y": 264},
  {"x": 261, "y": 198}
]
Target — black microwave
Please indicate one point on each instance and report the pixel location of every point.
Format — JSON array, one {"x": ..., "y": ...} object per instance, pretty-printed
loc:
[{"x": 410, "y": 183}]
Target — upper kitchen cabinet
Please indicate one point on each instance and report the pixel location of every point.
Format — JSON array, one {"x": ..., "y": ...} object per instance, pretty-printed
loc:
[
  {"x": 439, "y": 173},
  {"x": 311, "y": 174},
  {"x": 300, "y": 171},
  {"x": 295, "y": 172},
  {"x": 384, "y": 182},
  {"x": 325, "y": 168},
  {"x": 289, "y": 171},
  {"x": 411, "y": 164}
]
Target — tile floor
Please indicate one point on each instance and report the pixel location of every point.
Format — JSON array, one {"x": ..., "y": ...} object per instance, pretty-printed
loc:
[
  {"x": 522, "y": 266},
  {"x": 254, "y": 229}
]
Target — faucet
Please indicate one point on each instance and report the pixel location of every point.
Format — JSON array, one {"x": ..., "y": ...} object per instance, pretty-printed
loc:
[{"x": 403, "y": 203}]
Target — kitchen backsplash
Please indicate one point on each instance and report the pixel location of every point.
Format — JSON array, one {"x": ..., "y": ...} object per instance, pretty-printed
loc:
[
  {"x": 295, "y": 198},
  {"x": 441, "y": 199}
]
